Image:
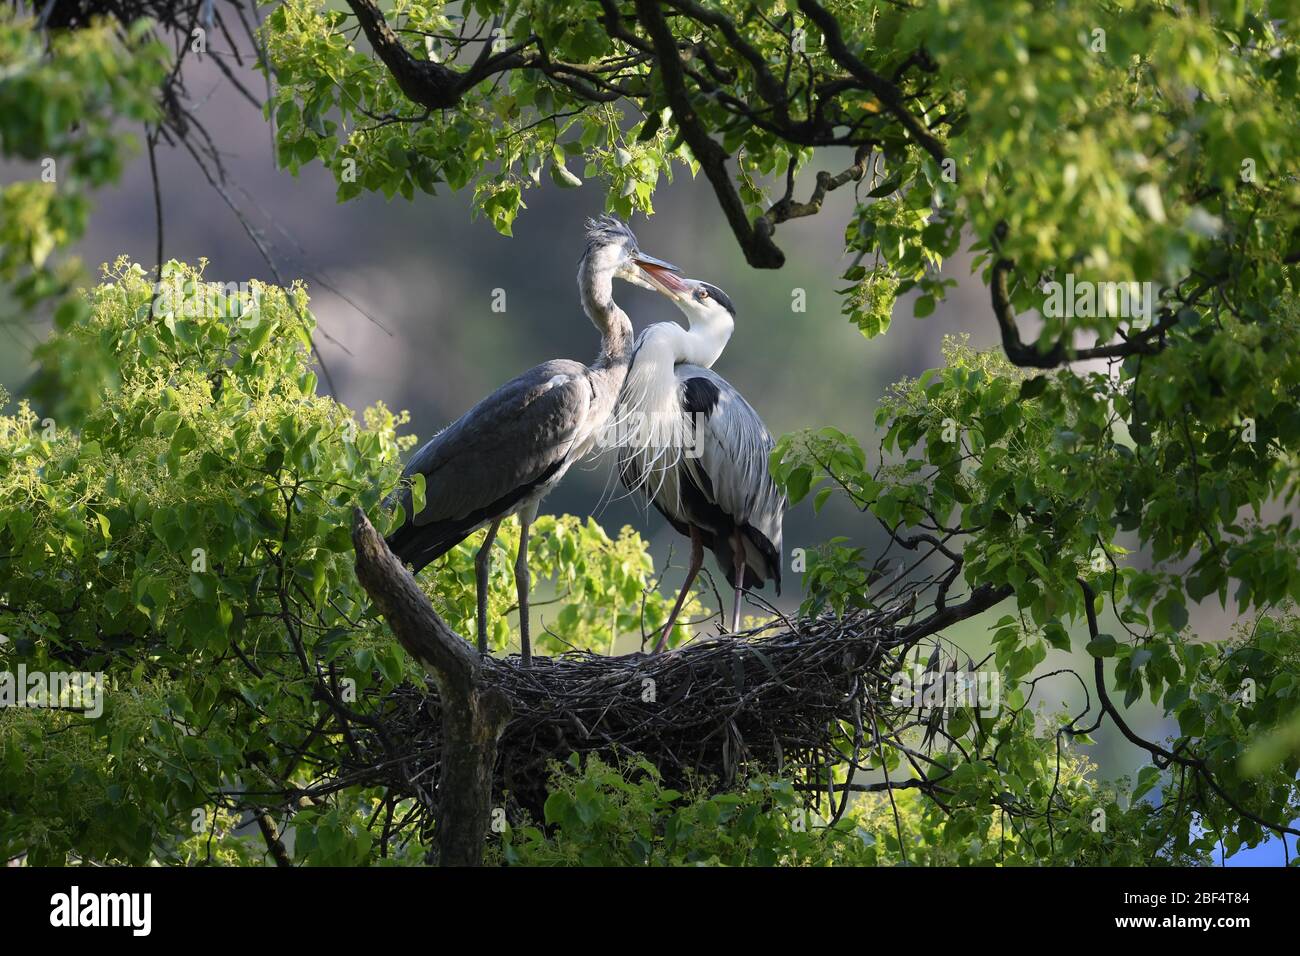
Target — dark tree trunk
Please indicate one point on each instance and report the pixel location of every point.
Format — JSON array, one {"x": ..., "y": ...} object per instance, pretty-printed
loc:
[{"x": 473, "y": 714}]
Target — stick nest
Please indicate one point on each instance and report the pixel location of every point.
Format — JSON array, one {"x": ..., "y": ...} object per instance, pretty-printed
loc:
[{"x": 777, "y": 699}]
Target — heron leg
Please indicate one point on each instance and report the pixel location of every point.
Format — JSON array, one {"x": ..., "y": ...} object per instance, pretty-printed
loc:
[
  {"x": 697, "y": 559},
  {"x": 482, "y": 564},
  {"x": 522, "y": 583},
  {"x": 738, "y": 549}
]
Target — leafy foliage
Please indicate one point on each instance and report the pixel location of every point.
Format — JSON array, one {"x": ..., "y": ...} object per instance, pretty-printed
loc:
[
  {"x": 1028, "y": 484},
  {"x": 59, "y": 110},
  {"x": 610, "y": 816},
  {"x": 601, "y": 815},
  {"x": 500, "y": 141}
]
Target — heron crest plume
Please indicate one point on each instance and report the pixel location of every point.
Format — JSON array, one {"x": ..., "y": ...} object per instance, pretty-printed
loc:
[{"x": 605, "y": 230}]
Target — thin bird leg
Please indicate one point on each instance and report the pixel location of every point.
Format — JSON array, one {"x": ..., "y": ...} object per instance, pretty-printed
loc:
[
  {"x": 738, "y": 548},
  {"x": 482, "y": 565},
  {"x": 522, "y": 583},
  {"x": 697, "y": 559}
]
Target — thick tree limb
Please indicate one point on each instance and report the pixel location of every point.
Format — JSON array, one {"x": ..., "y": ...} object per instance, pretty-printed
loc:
[
  {"x": 769, "y": 88},
  {"x": 755, "y": 239},
  {"x": 786, "y": 208},
  {"x": 884, "y": 90},
  {"x": 271, "y": 834},
  {"x": 473, "y": 713},
  {"x": 1026, "y": 356},
  {"x": 429, "y": 84},
  {"x": 980, "y": 600}
]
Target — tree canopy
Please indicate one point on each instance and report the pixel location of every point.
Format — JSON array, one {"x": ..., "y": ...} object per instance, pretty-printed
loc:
[{"x": 175, "y": 493}]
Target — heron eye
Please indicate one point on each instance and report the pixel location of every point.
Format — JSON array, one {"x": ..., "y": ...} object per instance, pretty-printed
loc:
[{"x": 702, "y": 294}]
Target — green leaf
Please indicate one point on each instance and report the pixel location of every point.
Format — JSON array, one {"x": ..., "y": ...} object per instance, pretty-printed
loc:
[
  {"x": 561, "y": 176},
  {"x": 1033, "y": 387},
  {"x": 798, "y": 483},
  {"x": 417, "y": 494},
  {"x": 1103, "y": 645}
]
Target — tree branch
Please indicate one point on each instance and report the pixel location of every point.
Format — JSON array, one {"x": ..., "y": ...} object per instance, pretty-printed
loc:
[
  {"x": 1161, "y": 756},
  {"x": 1026, "y": 356},
  {"x": 473, "y": 714},
  {"x": 786, "y": 208},
  {"x": 885, "y": 91},
  {"x": 431, "y": 85},
  {"x": 755, "y": 239},
  {"x": 271, "y": 834}
]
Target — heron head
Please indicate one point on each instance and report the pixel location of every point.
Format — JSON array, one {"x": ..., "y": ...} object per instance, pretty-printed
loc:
[
  {"x": 700, "y": 301},
  {"x": 612, "y": 246}
]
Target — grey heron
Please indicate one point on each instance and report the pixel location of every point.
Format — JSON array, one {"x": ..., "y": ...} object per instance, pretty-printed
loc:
[
  {"x": 697, "y": 450},
  {"x": 508, "y": 451}
]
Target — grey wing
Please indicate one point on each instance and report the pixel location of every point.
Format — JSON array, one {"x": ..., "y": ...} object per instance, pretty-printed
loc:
[
  {"x": 730, "y": 458},
  {"x": 480, "y": 466}
]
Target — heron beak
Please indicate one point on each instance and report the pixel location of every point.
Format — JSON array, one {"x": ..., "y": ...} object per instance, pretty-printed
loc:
[
  {"x": 641, "y": 259},
  {"x": 664, "y": 276}
]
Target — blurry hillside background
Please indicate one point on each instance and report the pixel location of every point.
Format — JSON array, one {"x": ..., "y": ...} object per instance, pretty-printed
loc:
[{"x": 428, "y": 273}]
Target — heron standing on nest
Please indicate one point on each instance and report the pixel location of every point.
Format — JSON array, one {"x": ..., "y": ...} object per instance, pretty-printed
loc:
[
  {"x": 700, "y": 455},
  {"x": 506, "y": 453}
]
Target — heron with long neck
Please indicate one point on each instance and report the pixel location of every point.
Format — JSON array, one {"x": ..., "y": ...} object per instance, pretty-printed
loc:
[
  {"x": 506, "y": 453},
  {"x": 699, "y": 452}
]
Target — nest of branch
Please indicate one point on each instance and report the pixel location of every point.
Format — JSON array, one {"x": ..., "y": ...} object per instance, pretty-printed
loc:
[
  {"x": 775, "y": 700},
  {"x": 791, "y": 698}
]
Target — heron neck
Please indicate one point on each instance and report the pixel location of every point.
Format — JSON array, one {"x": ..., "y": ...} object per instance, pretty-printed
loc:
[
  {"x": 615, "y": 341},
  {"x": 596, "y": 286},
  {"x": 703, "y": 343}
]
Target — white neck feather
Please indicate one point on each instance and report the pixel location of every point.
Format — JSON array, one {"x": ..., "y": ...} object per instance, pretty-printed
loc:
[{"x": 650, "y": 411}]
